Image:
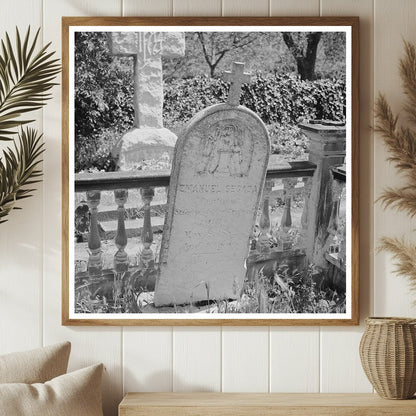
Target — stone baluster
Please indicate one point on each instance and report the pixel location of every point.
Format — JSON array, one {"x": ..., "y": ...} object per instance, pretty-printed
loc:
[
  {"x": 95, "y": 262},
  {"x": 263, "y": 241},
  {"x": 147, "y": 257},
  {"x": 307, "y": 187},
  {"x": 343, "y": 246},
  {"x": 121, "y": 259},
  {"x": 284, "y": 237},
  {"x": 334, "y": 238}
]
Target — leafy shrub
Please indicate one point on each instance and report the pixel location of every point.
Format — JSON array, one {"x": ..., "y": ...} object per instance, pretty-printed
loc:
[
  {"x": 94, "y": 153},
  {"x": 278, "y": 98},
  {"x": 103, "y": 87},
  {"x": 287, "y": 140},
  {"x": 103, "y": 100},
  {"x": 281, "y": 100}
]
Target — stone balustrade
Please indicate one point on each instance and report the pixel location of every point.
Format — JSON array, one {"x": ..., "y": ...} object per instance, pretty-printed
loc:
[{"x": 312, "y": 232}]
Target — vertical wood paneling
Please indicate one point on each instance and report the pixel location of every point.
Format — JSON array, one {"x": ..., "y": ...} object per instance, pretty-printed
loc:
[
  {"x": 21, "y": 238},
  {"x": 294, "y": 8},
  {"x": 89, "y": 345},
  {"x": 20, "y": 13},
  {"x": 147, "y": 359},
  {"x": 196, "y": 8},
  {"x": 147, "y": 7},
  {"x": 196, "y": 359},
  {"x": 341, "y": 370},
  {"x": 394, "y": 21},
  {"x": 339, "y": 374},
  {"x": 245, "y": 8},
  {"x": 294, "y": 352},
  {"x": 245, "y": 359},
  {"x": 146, "y": 354}
]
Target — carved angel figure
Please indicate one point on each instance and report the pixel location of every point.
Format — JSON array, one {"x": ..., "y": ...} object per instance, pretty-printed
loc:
[{"x": 222, "y": 152}]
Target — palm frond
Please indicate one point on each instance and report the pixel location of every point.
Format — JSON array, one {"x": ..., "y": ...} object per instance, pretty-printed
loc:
[
  {"x": 26, "y": 78},
  {"x": 19, "y": 170},
  {"x": 404, "y": 253}
]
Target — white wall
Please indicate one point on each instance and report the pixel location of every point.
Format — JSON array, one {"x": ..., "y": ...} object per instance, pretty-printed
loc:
[{"x": 281, "y": 359}]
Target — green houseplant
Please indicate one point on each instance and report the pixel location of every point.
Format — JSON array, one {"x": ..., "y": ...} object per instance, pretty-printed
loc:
[{"x": 26, "y": 77}]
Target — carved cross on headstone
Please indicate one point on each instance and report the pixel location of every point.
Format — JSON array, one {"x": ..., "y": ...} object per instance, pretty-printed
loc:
[
  {"x": 147, "y": 49},
  {"x": 237, "y": 77}
]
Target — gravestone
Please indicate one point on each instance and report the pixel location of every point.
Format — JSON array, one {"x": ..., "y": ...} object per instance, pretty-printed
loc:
[
  {"x": 217, "y": 179},
  {"x": 148, "y": 139}
]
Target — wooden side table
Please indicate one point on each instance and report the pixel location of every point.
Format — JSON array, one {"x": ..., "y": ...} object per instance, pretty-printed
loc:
[{"x": 254, "y": 404}]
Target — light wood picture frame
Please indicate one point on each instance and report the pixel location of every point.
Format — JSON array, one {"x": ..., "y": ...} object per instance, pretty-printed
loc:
[{"x": 135, "y": 239}]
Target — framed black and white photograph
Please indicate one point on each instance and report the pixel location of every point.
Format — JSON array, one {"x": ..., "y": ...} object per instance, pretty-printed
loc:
[{"x": 210, "y": 171}]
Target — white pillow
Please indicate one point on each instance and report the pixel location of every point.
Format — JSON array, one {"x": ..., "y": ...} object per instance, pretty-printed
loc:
[{"x": 73, "y": 394}]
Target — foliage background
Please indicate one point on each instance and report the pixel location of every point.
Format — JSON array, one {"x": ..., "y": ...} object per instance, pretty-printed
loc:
[{"x": 104, "y": 90}]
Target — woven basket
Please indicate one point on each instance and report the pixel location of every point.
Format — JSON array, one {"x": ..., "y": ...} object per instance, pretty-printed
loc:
[{"x": 388, "y": 356}]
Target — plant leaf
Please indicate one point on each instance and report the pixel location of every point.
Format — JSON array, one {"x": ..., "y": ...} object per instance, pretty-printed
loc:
[
  {"x": 18, "y": 170},
  {"x": 25, "y": 79}
]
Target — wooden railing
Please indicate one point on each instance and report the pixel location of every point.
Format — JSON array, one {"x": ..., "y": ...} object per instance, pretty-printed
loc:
[{"x": 284, "y": 180}]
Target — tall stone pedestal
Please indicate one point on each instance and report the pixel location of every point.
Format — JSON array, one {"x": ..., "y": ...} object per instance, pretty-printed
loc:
[{"x": 327, "y": 149}]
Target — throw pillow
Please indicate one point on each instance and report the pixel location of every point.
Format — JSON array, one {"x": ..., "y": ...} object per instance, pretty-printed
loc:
[
  {"x": 35, "y": 366},
  {"x": 73, "y": 394}
]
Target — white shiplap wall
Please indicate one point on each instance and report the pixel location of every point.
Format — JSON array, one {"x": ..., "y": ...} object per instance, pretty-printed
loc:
[{"x": 293, "y": 359}]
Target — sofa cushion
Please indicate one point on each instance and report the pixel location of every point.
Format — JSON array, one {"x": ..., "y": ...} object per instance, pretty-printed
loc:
[
  {"x": 73, "y": 394},
  {"x": 35, "y": 366}
]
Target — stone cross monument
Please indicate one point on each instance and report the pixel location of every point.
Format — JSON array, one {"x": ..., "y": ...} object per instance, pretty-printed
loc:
[
  {"x": 148, "y": 139},
  {"x": 237, "y": 77},
  {"x": 216, "y": 183}
]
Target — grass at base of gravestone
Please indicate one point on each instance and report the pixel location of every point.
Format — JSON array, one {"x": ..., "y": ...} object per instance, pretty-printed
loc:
[{"x": 284, "y": 293}]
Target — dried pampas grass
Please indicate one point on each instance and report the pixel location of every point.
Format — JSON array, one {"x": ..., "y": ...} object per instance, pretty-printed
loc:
[
  {"x": 401, "y": 143},
  {"x": 405, "y": 254}
]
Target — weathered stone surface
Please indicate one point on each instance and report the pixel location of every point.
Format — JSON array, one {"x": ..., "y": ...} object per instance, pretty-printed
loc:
[
  {"x": 218, "y": 175},
  {"x": 147, "y": 49},
  {"x": 143, "y": 144},
  {"x": 173, "y": 44},
  {"x": 327, "y": 148},
  {"x": 129, "y": 43}
]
